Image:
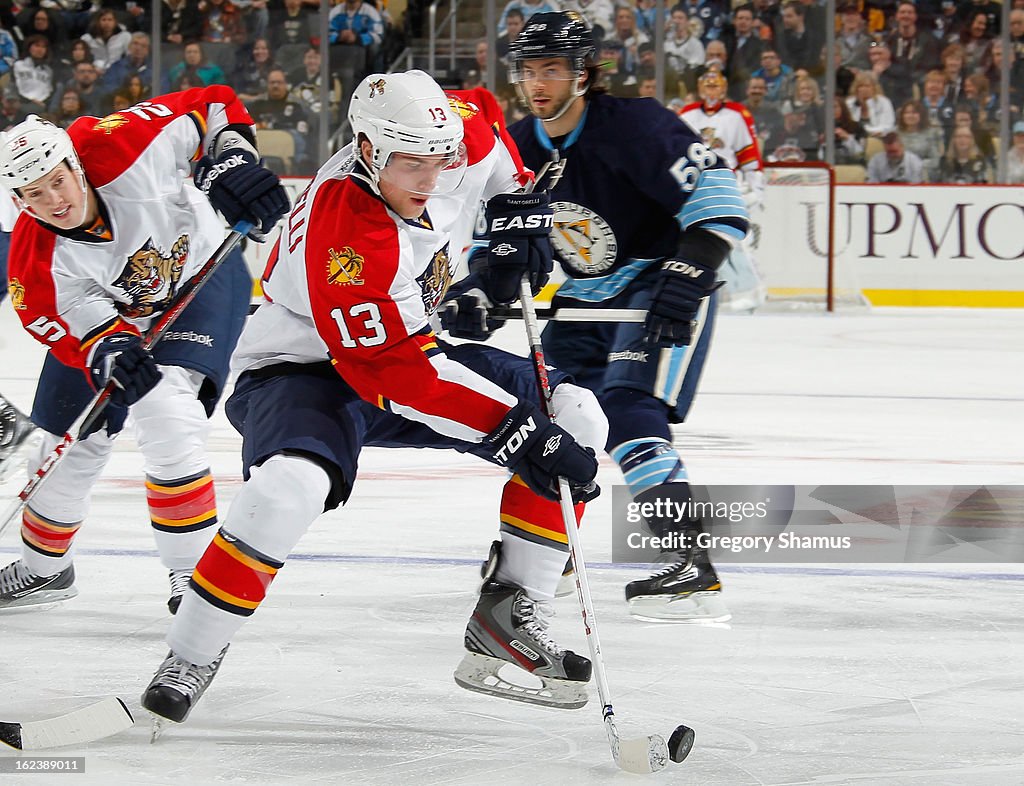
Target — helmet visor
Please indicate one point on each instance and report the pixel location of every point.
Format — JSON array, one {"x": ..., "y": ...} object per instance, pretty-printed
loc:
[
  {"x": 425, "y": 175},
  {"x": 523, "y": 71}
]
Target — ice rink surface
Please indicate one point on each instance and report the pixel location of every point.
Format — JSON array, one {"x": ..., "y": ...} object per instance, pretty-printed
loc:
[{"x": 878, "y": 674}]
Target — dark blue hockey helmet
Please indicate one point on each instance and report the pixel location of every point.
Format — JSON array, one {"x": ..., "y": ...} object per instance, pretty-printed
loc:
[{"x": 555, "y": 34}]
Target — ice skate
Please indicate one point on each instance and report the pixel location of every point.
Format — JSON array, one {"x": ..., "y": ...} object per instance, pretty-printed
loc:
[
  {"x": 20, "y": 587},
  {"x": 179, "y": 583},
  {"x": 176, "y": 687},
  {"x": 16, "y": 432},
  {"x": 508, "y": 634},
  {"x": 686, "y": 590}
]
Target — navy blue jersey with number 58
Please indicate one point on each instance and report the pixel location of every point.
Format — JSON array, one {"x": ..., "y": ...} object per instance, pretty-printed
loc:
[{"x": 635, "y": 177}]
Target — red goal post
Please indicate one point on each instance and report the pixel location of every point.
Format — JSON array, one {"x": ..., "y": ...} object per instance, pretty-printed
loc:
[{"x": 794, "y": 238}]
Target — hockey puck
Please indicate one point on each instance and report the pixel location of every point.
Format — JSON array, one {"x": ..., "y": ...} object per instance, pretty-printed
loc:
[{"x": 680, "y": 743}]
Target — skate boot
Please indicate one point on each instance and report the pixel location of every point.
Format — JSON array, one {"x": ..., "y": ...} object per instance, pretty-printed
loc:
[
  {"x": 21, "y": 587},
  {"x": 177, "y": 686},
  {"x": 179, "y": 583},
  {"x": 686, "y": 590},
  {"x": 16, "y": 432},
  {"x": 508, "y": 628}
]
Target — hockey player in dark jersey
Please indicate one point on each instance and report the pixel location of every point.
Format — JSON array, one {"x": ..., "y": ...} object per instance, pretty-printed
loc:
[{"x": 644, "y": 214}]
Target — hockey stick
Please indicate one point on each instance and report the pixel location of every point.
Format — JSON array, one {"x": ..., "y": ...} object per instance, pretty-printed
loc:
[
  {"x": 641, "y": 754},
  {"x": 95, "y": 408},
  {"x": 94, "y": 722},
  {"x": 571, "y": 314}
]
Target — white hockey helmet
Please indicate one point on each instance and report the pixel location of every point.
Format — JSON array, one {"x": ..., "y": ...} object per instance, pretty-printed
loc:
[
  {"x": 408, "y": 113},
  {"x": 33, "y": 148}
]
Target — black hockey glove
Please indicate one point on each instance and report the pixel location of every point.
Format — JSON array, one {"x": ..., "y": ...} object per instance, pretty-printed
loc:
[
  {"x": 465, "y": 310},
  {"x": 519, "y": 232},
  {"x": 239, "y": 188},
  {"x": 680, "y": 287},
  {"x": 528, "y": 443},
  {"x": 121, "y": 358}
]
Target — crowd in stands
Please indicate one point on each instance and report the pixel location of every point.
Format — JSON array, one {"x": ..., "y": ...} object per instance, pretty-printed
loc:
[
  {"x": 63, "y": 59},
  {"x": 917, "y": 84}
]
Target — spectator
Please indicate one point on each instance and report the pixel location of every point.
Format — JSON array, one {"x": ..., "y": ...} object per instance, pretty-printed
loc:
[
  {"x": 964, "y": 117},
  {"x": 767, "y": 119},
  {"x": 136, "y": 62},
  {"x": 33, "y": 74},
  {"x": 68, "y": 109},
  {"x": 279, "y": 111},
  {"x": 120, "y": 101},
  {"x": 8, "y": 54},
  {"x": 743, "y": 49},
  {"x": 946, "y": 25},
  {"x": 181, "y": 22},
  {"x": 797, "y": 44},
  {"x": 778, "y": 78},
  {"x": 599, "y": 14},
  {"x": 199, "y": 71},
  {"x": 135, "y": 90},
  {"x": 803, "y": 118},
  {"x": 953, "y": 68},
  {"x": 647, "y": 85},
  {"x": 853, "y": 43},
  {"x": 355, "y": 35},
  {"x": 974, "y": 39},
  {"x": 250, "y": 75},
  {"x": 869, "y": 107},
  {"x": 849, "y": 135},
  {"x": 963, "y": 162},
  {"x": 74, "y": 15},
  {"x": 712, "y": 16},
  {"x": 1015, "y": 155},
  {"x": 717, "y": 56},
  {"x": 626, "y": 33},
  {"x": 107, "y": 39},
  {"x": 84, "y": 82},
  {"x": 76, "y": 52},
  {"x": 977, "y": 93},
  {"x": 40, "y": 21},
  {"x": 11, "y": 112},
  {"x": 255, "y": 17},
  {"x": 294, "y": 23},
  {"x": 933, "y": 99},
  {"x": 528, "y": 9},
  {"x": 646, "y": 15},
  {"x": 514, "y": 24},
  {"x": 898, "y": 87},
  {"x": 684, "y": 52},
  {"x": 223, "y": 23},
  {"x": 920, "y": 136},
  {"x": 305, "y": 82},
  {"x": 914, "y": 51},
  {"x": 993, "y": 12},
  {"x": 619, "y": 83},
  {"x": 894, "y": 164}
]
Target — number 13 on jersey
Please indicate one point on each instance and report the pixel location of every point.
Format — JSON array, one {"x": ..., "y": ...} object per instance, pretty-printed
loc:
[{"x": 364, "y": 318}]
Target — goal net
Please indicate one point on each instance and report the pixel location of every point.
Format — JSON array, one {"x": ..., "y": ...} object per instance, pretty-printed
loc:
[{"x": 794, "y": 239}]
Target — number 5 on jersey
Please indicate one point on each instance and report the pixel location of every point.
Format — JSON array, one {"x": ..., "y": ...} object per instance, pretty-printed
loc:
[{"x": 365, "y": 317}]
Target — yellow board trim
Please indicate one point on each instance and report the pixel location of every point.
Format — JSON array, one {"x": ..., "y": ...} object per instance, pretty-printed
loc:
[{"x": 948, "y": 298}]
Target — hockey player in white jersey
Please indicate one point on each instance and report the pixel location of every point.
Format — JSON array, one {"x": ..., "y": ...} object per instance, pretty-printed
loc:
[
  {"x": 728, "y": 129},
  {"x": 343, "y": 354},
  {"x": 110, "y": 231}
]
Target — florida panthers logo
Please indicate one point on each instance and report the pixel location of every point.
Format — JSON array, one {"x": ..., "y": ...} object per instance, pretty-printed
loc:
[
  {"x": 17, "y": 292},
  {"x": 464, "y": 108},
  {"x": 377, "y": 87},
  {"x": 110, "y": 123},
  {"x": 583, "y": 241},
  {"x": 345, "y": 267},
  {"x": 436, "y": 279},
  {"x": 150, "y": 279}
]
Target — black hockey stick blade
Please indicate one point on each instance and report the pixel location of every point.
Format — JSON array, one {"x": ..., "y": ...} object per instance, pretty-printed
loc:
[{"x": 94, "y": 722}]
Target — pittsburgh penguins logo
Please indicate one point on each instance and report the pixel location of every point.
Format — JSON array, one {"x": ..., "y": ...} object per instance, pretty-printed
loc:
[{"x": 583, "y": 240}]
